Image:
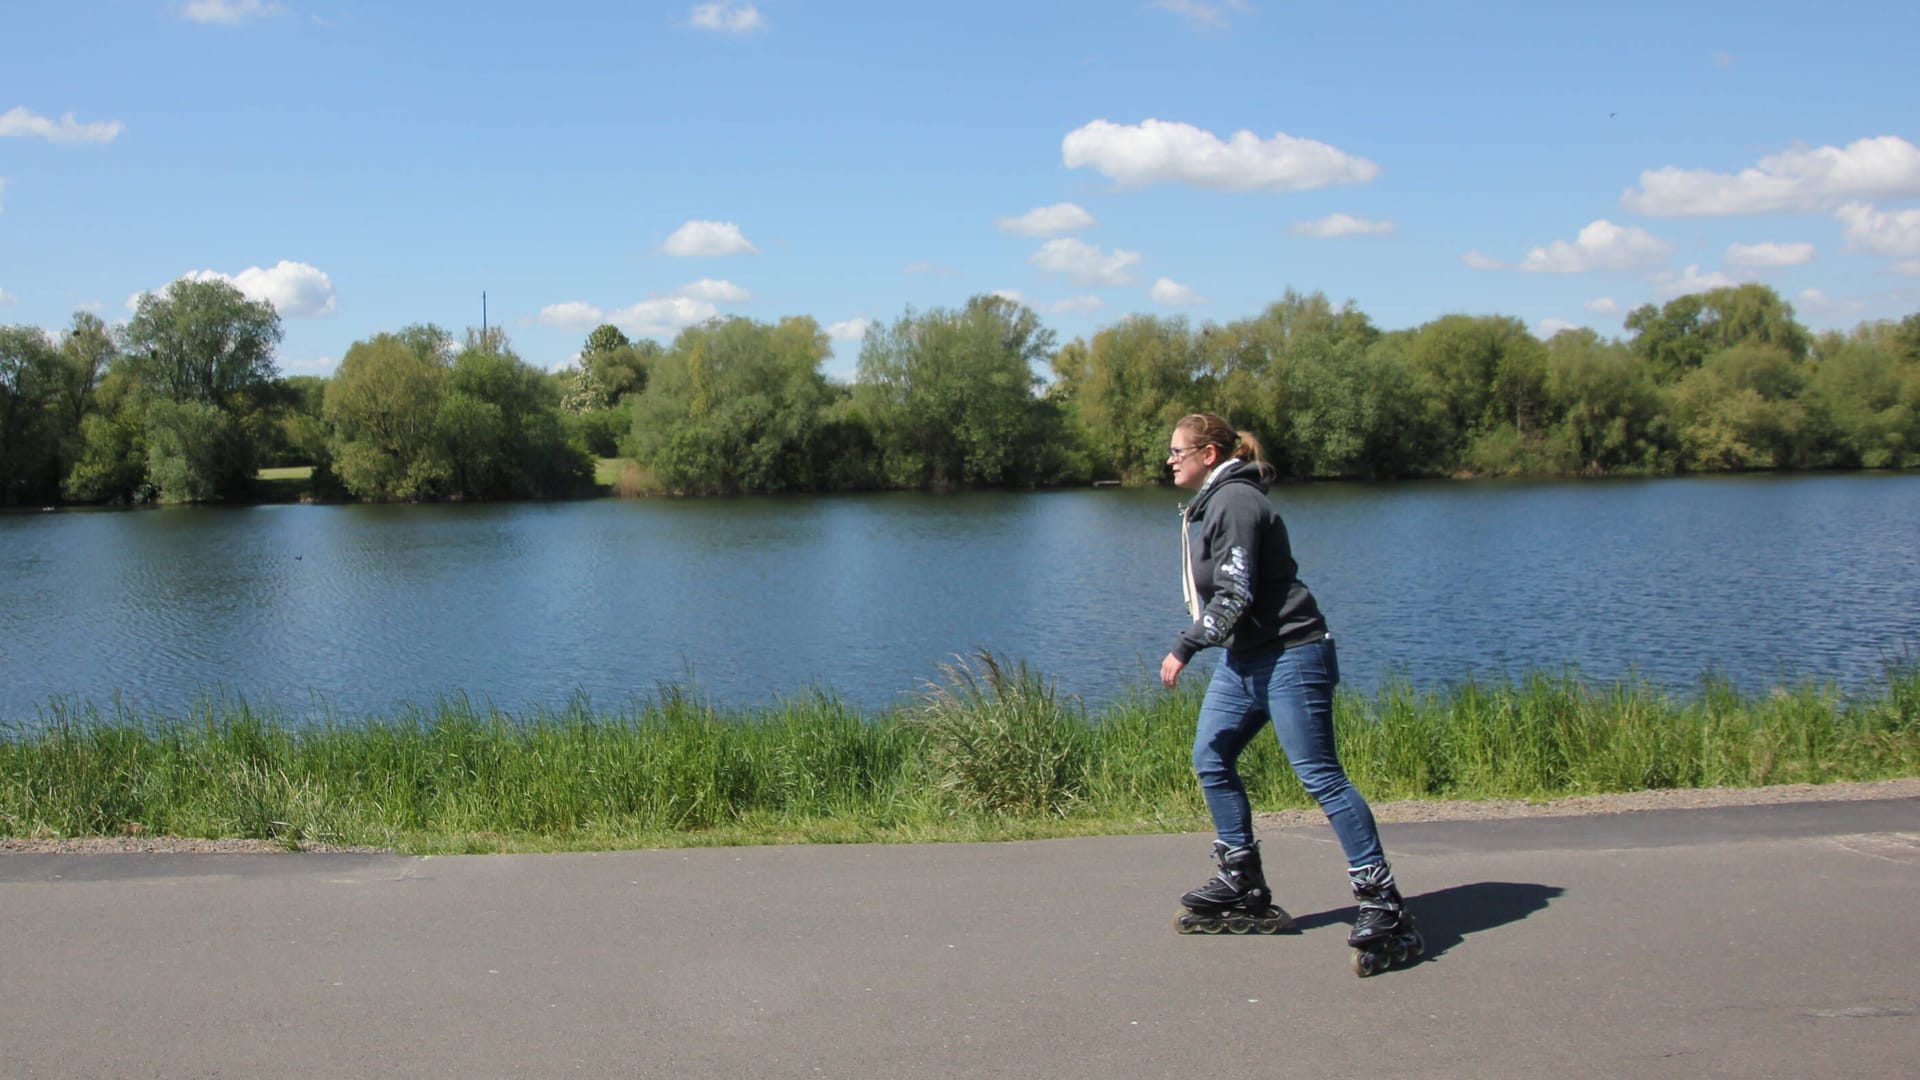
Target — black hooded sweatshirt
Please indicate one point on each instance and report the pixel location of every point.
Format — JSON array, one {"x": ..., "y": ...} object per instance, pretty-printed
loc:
[{"x": 1243, "y": 592}]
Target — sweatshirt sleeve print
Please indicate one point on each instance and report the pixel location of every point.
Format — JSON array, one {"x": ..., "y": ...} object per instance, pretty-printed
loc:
[{"x": 1233, "y": 576}]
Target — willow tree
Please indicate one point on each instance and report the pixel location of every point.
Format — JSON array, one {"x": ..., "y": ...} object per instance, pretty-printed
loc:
[
  {"x": 201, "y": 357},
  {"x": 951, "y": 396},
  {"x": 735, "y": 406}
]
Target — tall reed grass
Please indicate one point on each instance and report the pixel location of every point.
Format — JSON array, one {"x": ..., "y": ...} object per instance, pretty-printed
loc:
[{"x": 989, "y": 749}]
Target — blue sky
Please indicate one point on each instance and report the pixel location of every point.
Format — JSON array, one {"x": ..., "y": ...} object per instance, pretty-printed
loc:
[{"x": 367, "y": 165}]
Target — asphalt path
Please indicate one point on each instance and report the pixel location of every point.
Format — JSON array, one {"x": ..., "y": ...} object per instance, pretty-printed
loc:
[{"x": 1754, "y": 941}]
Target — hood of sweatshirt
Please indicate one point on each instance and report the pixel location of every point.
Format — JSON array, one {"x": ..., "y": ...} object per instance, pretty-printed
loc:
[{"x": 1232, "y": 472}]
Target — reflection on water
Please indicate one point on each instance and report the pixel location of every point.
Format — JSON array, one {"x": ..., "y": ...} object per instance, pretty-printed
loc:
[{"x": 357, "y": 608}]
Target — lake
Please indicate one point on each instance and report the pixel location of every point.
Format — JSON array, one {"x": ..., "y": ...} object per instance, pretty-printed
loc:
[{"x": 351, "y": 610}]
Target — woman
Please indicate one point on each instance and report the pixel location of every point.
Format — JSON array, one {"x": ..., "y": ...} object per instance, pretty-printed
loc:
[{"x": 1279, "y": 667}]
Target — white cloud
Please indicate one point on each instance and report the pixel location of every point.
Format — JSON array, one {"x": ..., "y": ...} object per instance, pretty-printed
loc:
[
  {"x": 295, "y": 289},
  {"x": 228, "y": 11},
  {"x": 709, "y": 238},
  {"x": 571, "y": 315},
  {"x": 1048, "y": 220},
  {"x": 1546, "y": 328},
  {"x": 1077, "y": 304},
  {"x": 7, "y": 297},
  {"x": 727, "y": 17},
  {"x": 1910, "y": 267},
  {"x": 1169, "y": 291},
  {"x": 1816, "y": 302},
  {"x": 1162, "y": 152},
  {"x": 1603, "y": 305},
  {"x": 929, "y": 269},
  {"x": 1669, "y": 285},
  {"x": 1725, "y": 60},
  {"x": 1895, "y": 234},
  {"x": 849, "y": 329},
  {"x": 1795, "y": 180},
  {"x": 1343, "y": 225},
  {"x": 1086, "y": 264},
  {"x": 1202, "y": 15},
  {"x": 662, "y": 317},
  {"x": 1767, "y": 255},
  {"x": 720, "y": 292},
  {"x": 17, "y": 121},
  {"x": 1010, "y": 295},
  {"x": 1602, "y": 245}
]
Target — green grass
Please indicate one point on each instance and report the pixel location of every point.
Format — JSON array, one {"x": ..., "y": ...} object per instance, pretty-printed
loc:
[
  {"x": 989, "y": 751},
  {"x": 289, "y": 484}
]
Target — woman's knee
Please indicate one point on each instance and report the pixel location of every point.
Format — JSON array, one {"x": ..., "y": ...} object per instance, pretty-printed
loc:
[
  {"x": 1214, "y": 758},
  {"x": 1323, "y": 781}
]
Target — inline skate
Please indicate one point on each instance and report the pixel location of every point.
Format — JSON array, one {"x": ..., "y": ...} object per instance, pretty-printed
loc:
[
  {"x": 1235, "y": 900},
  {"x": 1383, "y": 933}
]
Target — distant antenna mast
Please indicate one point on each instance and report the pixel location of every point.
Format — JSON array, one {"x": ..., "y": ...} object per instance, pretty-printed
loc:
[{"x": 483, "y": 319}]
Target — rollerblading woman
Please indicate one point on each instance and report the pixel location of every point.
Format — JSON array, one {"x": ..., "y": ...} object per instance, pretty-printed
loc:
[{"x": 1244, "y": 595}]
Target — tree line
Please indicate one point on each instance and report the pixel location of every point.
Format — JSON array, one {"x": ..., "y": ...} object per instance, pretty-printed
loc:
[{"x": 184, "y": 402}]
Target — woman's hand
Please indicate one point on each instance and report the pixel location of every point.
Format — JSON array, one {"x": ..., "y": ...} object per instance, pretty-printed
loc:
[{"x": 1170, "y": 669}]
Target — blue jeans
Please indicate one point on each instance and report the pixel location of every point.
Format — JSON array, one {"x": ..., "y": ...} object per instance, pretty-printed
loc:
[{"x": 1294, "y": 690}]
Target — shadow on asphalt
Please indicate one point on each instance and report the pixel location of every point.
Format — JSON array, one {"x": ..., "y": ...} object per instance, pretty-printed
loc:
[{"x": 1446, "y": 917}]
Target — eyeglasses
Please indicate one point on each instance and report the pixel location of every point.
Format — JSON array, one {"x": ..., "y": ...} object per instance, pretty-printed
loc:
[{"x": 1177, "y": 453}]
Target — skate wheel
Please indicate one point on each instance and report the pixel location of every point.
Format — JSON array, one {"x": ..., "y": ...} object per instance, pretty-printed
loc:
[
  {"x": 1397, "y": 951},
  {"x": 1188, "y": 923},
  {"x": 1416, "y": 945},
  {"x": 1276, "y": 920},
  {"x": 1367, "y": 962}
]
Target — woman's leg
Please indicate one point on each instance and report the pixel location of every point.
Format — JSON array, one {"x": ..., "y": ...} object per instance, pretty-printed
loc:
[
  {"x": 1230, "y": 716},
  {"x": 1299, "y": 695}
]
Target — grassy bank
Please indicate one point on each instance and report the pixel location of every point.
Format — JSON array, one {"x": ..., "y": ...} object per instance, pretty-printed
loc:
[{"x": 989, "y": 752}]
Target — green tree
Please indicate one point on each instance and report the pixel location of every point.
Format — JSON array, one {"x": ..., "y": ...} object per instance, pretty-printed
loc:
[
  {"x": 594, "y": 395},
  {"x": 203, "y": 342},
  {"x": 605, "y": 338},
  {"x": 1313, "y": 379},
  {"x": 194, "y": 452},
  {"x": 1906, "y": 339},
  {"x": 1613, "y": 415},
  {"x": 1867, "y": 397},
  {"x": 498, "y": 430},
  {"x": 1740, "y": 410},
  {"x": 110, "y": 458},
  {"x": 1128, "y": 390},
  {"x": 951, "y": 395},
  {"x": 1360, "y": 412},
  {"x": 735, "y": 406},
  {"x": 303, "y": 428},
  {"x": 87, "y": 351},
  {"x": 1679, "y": 336},
  {"x": 381, "y": 405},
  {"x": 31, "y": 380}
]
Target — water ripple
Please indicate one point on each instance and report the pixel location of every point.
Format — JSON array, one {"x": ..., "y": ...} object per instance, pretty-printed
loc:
[{"x": 1759, "y": 579}]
